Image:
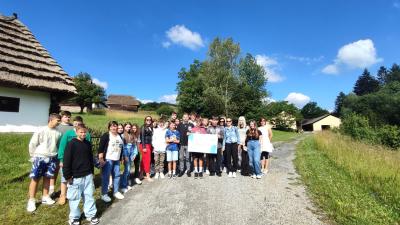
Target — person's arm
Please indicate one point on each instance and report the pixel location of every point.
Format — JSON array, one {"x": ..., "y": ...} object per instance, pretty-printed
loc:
[
  {"x": 178, "y": 137},
  {"x": 33, "y": 143},
  {"x": 91, "y": 156},
  {"x": 61, "y": 148},
  {"x": 270, "y": 134},
  {"x": 223, "y": 140},
  {"x": 237, "y": 135},
  {"x": 142, "y": 138},
  {"x": 67, "y": 167},
  {"x": 103, "y": 147},
  {"x": 260, "y": 137}
]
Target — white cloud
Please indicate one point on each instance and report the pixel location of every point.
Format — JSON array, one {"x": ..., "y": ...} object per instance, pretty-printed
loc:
[
  {"x": 268, "y": 100},
  {"x": 169, "y": 98},
  {"x": 103, "y": 84},
  {"x": 270, "y": 66},
  {"x": 145, "y": 101},
  {"x": 180, "y": 35},
  {"x": 306, "y": 60},
  {"x": 298, "y": 99},
  {"x": 359, "y": 54}
]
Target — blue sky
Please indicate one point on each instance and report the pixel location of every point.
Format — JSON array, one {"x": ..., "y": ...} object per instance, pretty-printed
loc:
[{"x": 311, "y": 49}]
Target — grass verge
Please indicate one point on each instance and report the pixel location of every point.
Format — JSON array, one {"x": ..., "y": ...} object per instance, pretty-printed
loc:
[
  {"x": 283, "y": 135},
  {"x": 352, "y": 182}
]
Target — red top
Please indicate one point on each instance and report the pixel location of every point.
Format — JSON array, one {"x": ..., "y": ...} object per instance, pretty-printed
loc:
[{"x": 199, "y": 130}]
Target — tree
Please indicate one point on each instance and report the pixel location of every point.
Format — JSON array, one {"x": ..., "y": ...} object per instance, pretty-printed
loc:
[
  {"x": 282, "y": 113},
  {"x": 366, "y": 84},
  {"x": 164, "y": 111},
  {"x": 87, "y": 91},
  {"x": 312, "y": 110},
  {"x": 394, "y": 74},
  {"x": 382, "y": 75},
  {"x": 339, "y": 104}
]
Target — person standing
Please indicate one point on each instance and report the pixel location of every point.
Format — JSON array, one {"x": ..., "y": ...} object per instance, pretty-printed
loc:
[
  {"x": 198, "y": 156},
  {"x": 253, "y": 142},
  {"x": 172, "y": 138},
  {"x": 78, "y": 170},
  {"x": 230, "y": 145},
  {"x": 129, "y": 154},
  {"x": 146, "y": 134},
  {"x": 215, "y": 159},
  {"x": 184, "y": 129},
  {"x": 43, "y": 153},
  {"x": 110, "y": 155},
  {"x": 135, "y": 131},
  {"x": 159, "y": 146},
  {"x": 266, "y": 147}
]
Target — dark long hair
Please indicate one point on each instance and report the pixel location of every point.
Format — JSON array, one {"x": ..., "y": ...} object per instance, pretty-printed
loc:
[{"x": 253, "y": 131}]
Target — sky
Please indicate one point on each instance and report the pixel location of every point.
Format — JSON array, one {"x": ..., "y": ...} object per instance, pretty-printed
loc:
[{"x": 311, "y": 49}]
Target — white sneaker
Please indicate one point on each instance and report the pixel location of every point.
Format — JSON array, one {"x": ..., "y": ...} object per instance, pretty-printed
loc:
[
  {"x": 157, "y": 176},
  {"x": 234, "y": 175},
  {"x": 106, "y": 198},
  {"x": 124, "y": 190},
  {"x": 258, "y": 176},
  {"x": 266, "y": 171},
  {"x": 224, "y": 170},
  {"x": 138, "y": 181},
  {"x": 31, "y": 205},
  {"x": 162, "y": 176},
  {"x": 46, "y": 200},
  {"x": 253, "y": 176},
  {"x": 129, "y": 188},
  {"x": 207, "y": 172},
  {"x": 230, "y": 174},
  {"x": 238, "y": 171},
  {"x": 118, "y": 195}
]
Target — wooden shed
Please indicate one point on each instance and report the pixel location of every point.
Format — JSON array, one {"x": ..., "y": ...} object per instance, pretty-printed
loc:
[
  {"x": 324, "y": 122},
  {"x": 31, "y": 82},
  {"x": 122, "y": 102}
]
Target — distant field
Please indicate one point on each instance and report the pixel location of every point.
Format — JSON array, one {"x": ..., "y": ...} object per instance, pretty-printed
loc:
[
  {"x": 354, "y": 183},
  {"x": 278, "y": 135}
]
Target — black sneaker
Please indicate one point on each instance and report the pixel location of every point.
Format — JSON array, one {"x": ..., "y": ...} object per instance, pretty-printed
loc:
[
  {"x": 181, "y": 174},
  {"x": 201, "y": 174},
  {"x": 94, "y": 220},
  {"x": 212, "y": 173},
  {"x": 174, "y": 176},
  {"x": 74, "y": 222},
  {"x": 219, "y": 174},
  {"x": 196, "y": 175},
  {"x": 189, "y": 174}
]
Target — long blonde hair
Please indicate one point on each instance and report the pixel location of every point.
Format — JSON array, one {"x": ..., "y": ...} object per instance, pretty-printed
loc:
[{"x": 242, "y": 118}]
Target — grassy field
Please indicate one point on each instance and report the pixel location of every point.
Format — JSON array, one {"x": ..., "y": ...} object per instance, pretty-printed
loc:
[
  {"x": 278, "y": 135},
  {"x": 352, "y": 182}
]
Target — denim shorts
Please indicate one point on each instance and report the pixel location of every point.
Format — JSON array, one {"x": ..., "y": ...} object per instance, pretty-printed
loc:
[
  {"x": 172, "y": 156},
  {"x": 43, "y": 167}
]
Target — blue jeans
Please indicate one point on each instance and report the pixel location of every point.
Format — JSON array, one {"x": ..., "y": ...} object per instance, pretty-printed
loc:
[
  {"x": 110, "y": 168},
  {"x": 253, "y": 149},
  {"x": 81, "y": 188},
  {"x": 129, "y": 152}
]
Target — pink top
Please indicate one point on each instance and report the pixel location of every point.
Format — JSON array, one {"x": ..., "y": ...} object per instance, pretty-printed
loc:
[{"x": 199, "y": 130}]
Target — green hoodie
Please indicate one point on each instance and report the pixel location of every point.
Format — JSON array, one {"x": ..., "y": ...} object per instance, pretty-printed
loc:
[{"x": 65, "y": 139}]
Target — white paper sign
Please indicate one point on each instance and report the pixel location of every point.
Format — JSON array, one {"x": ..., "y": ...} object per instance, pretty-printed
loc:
[{"x": 204, "y": 143}]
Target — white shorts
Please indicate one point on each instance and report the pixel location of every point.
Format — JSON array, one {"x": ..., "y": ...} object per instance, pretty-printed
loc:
[{"x": 172, "y": 156}]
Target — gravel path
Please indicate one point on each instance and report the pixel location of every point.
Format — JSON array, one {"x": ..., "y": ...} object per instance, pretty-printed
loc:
[{"x": 278, "y": 198}]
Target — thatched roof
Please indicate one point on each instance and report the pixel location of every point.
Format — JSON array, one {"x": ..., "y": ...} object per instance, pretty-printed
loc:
[
  {"x": 122, "y": 100},
  {"x": 24, "y": 63}
]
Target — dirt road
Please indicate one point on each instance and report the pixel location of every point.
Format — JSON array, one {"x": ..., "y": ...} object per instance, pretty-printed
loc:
[{"x": 277, "y": 198}]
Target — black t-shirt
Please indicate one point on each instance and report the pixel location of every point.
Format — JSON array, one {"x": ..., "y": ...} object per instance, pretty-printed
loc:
[
  {"x": 252, "y": 136},
  {"x": 183, "y": 129}
]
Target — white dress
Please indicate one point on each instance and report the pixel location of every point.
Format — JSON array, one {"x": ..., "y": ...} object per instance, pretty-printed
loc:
[{"x": 267, "y": 145}]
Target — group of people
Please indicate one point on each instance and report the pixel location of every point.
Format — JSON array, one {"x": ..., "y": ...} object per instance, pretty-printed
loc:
[{"x": 154, "y": 150}]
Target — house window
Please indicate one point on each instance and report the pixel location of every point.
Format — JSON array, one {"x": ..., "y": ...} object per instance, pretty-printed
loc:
[{"x": 8, "y": 104}]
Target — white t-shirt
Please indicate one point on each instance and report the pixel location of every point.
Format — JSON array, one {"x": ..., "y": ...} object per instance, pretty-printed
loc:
[
  {"x": 158, "y": 140},
  {"x": 267, "y": 145},
  {"x": 115, "y": 145}
]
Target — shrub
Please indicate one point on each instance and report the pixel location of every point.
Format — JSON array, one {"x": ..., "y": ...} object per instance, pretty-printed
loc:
[
  {"x": 97, "y": 112},
  {"x": 389, "y": 135},
  {"x": 357, "y": 127},
  {"x": 165, "y": 110}
]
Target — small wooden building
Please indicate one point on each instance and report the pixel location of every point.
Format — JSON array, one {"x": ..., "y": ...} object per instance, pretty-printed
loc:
[
  {"x": 324, "y": 122},
  {"x": 123, "y": 102},
  {"x": 31, "y": 82}
]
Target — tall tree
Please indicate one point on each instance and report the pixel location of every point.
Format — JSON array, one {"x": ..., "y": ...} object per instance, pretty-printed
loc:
[
  {"x": 366, "y": 84},
  {"x": 382, "y": 75},
  {"x": 339, "y": 104},
  {"x": 394, "y": 74},
  {"x": 282, "y": 113},
  {"x": 87, "y": 91},
  {"x": 312, "y": 110}
]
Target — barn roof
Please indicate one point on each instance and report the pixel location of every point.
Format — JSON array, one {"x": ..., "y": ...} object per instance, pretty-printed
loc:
[
  {"x": 122, "y": 100},
  {"x": 311, "y": 121},
  {"x": 25, "y": 63}
]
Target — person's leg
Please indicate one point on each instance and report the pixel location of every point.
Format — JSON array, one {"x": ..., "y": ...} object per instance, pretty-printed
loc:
[
  {"x": 228, "y": 149},
  {"x": 267, "y": 162},
  {"x": 137, "y": 163},
  {"x": 225, "y": 159},
  {"x": 257, "y": 155},
  {"x": 74, "y": 194},
  {"x": 89, "y": 204},
  {"x": 182, "y": 159},
  {"x": 53, "y": 180},
  {"x": 116, "y": 175},
  {"x": 124, "y": 177},
  {"x": 33, "y": 187},
  {"x": 63, "y": 188},
  {"x": 250, "y": 152},
  {"x": 195, "y": 163},
  {"x": 218, "y": 161},
  {"x": 234, "y": 157},
  {"x": 147, "y": 161},
  {"x": 157, "y": 163},
  {"x": 239, "y": 151},
  {"x": 245, "y": 163},
  {"x": 46, "y": 184},
  {"x": 105, "y": 174}
]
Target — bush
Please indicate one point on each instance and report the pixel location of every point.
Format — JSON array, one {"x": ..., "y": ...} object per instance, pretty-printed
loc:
[
  {"x": 357, "y": 127},
  {"x": 165, "y": 110},
  {"x": 97, "y": 112},
  {"x": 389, "y": 135}
]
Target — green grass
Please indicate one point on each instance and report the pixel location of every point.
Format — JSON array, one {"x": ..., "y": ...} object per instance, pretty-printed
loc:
[
  {"x": 352, "y": 182},
  {"x": 278, "y": 135}
]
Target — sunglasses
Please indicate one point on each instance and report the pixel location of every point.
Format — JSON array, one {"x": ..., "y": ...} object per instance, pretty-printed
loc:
[{"x": 228, "y": 121}]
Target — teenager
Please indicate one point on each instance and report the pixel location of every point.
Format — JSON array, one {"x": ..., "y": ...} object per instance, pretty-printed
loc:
[
  {"x": 184, "y": 129},
  {"x": 198, "y": 156},
  {"x": 230, "y": 145},
  {"x": 110, "y": 155},
  {"x": 159, "y": 148},
  {"x": 253, "y": 142},
  {"x": 266, "y": 147},
  {"x": 43, "y": 153},
  {"x": 215, "y": 159},
  {"x": 242, "y": 149},
  {"x": 172, "y": 138},
  {"x": 120, "y": 129},
  {"x": 65, "y": 139},
  {"x": 146, "y": 134},
  {"x": 224, "y": 161},
  {"x": 193, "y": 119},
  {"x": 129, "y": 154},
  {"x": 78, "y": 170},
  {"x": 135, "y": 131}
]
